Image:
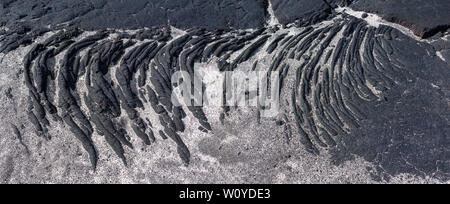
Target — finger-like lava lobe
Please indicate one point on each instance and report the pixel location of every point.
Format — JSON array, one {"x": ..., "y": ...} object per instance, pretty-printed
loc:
[{"x": 357, "y": 90}]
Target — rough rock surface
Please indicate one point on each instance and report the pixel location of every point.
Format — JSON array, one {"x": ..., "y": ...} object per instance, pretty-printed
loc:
[
  {"x": 132, "y": 14},
  {"x": 362, "y": 101},
  {"x": 290, "y": 11},
  {"x": 305, "y": 12},
  {"x": 425, "y": 18}
]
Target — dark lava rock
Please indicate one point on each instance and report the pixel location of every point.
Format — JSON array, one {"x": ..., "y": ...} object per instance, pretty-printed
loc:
[
  {"x": 403, "y": 130},
  {"x": 408, "y": 132},
  {"x": 365, "y": 15},
  {"x": 425, "y": 18},
  {"x": 305, "y": 12},
  {"x": 287, "y": 11},
  {"x": 97, "y": 14},
  {"x": 408, "y": 135},
  {"x": 446, "y": 55}
]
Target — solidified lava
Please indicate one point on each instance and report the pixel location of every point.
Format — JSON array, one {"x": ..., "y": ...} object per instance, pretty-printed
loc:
[{"x": 347, "y": 75}]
